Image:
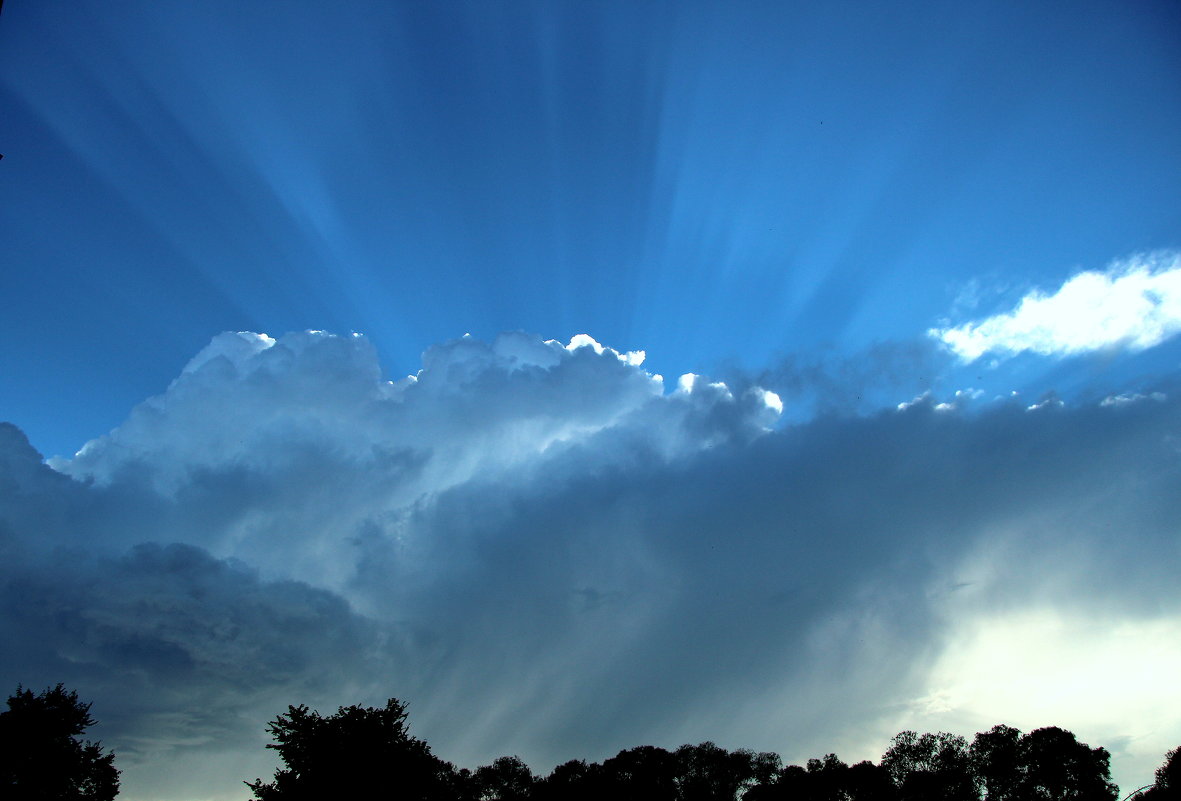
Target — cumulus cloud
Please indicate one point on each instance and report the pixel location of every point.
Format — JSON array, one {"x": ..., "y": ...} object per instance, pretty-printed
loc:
[
  {"x": 547, "y": 551},
  {"x": 263, "y": 437},
  {"x": 1134, "y": 304}
]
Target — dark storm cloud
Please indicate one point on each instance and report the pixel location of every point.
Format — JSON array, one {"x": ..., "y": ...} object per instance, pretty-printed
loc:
[
  {"x": 183, "y": 655},
  {"x": 713, "y": 578},
  {"x": 546, "y": 553}
]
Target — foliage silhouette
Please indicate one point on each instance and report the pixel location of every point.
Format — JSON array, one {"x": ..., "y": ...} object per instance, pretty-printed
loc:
[
  {"x": 930, "y": 767},
  {"x": 571, "y": 781},
  {"x": 506, "y": 779},
  {"x": 996, "y": 761},
  {"x": 866, "y": 781},
  {"x": 706, "y": 772},
  {"x": 827, "y": 779},
  {"x": 359, "y": 752},
  {"x": 1054, "y": 766},
  {"x": 644, "y": 773},
  {"x": 368, "y": 753},
  {"x": 41, "y": 755},
  {"x": 1167, "y": 786}
]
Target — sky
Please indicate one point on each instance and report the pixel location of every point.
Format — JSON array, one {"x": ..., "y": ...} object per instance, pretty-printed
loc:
[{"x": 589, "y": 375}]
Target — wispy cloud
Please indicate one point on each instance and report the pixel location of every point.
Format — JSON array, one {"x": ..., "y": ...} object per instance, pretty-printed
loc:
[{"x": 1134, "y": 304}]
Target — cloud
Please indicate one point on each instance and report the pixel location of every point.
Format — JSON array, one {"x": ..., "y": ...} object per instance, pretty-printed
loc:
[
  {"x": 1135, "y": 397},
  {"x": 1134, "y": 304},
  {"x": 830, "y": 382},
  {"x": 545, "y": 551},
  {"x": 259, "y": 438},
  {"x": 183, "y": 654}
]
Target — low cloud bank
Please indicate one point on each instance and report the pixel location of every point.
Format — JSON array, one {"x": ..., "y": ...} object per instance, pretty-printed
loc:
[{"x": 547, "y": 551}]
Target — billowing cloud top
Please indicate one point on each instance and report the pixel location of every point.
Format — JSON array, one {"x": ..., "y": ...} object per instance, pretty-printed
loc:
[
  {"x": 314, "y": 410},
  {"x": 474, "y": 407},
  {"x": 1135, "y": 304},
  {"x": 546, "y": 551}
]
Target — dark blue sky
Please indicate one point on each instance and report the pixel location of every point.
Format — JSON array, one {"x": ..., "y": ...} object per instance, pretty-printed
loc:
[{"x": 927, "y": 257}]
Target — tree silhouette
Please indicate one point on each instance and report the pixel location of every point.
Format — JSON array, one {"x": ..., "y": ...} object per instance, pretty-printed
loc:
[
  {"x": 359, "y": 752},
  {"x": 827, "y": 779},
  {"x": 571, "y": 781},
  {"x": 1057, "y": 767},
  {"x": 644, "y": 773},
  {"x": 1168, "y": 778},
  {"x": 1167, "y": 786},
  {"x": 41, "y": 755},
  {"x": 822, "y": 780},
  {"x": 506, "y": 779},
  {"x": 866, "y": 781},
  {"x": 1168, "y": 775},
  {"x": 366, "y": 753},
  {"x": 996, "y": 760},
  {"x": 931, "y": 766},
  {"x": 707, "y": 772}
]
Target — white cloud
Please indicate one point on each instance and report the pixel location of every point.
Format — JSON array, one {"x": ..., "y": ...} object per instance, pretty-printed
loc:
[
  {"x": 633, "y": 357},
  {"x": 921, "y": 398},
  {"x": 772, "y": 401},
  {"x": 960, "y": 399},
  {"x": 1135, "y": 397},
  {"x": 1049, "y": 402},
  {"x": 1134, "y": 304},
  {"x": 236, "y": 347}
]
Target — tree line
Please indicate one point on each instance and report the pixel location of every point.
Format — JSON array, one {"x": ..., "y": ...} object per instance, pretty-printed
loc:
[{"x": 363, "y": 752}]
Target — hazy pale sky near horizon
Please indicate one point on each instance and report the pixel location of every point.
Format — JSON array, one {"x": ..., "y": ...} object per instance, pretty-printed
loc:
[{"x": 882, "y": 431}]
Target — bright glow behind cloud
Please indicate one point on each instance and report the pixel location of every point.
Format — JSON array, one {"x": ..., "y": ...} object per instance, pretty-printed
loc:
[
  {"x": 1038, "y": 665},
  {"x": 1088, "y": 674},
  {"x": 1134, "y": 304}
]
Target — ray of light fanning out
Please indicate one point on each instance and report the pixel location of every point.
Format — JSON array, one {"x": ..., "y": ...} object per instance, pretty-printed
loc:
[{"x": 591, "y": 375}]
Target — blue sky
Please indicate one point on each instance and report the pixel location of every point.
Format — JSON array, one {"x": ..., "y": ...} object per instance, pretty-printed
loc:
[
  {"x": 713, "y": 186},
  {"x": 849, "y": 205}
]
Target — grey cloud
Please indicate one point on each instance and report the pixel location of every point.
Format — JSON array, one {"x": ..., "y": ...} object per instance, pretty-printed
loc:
[
  {"x": 832, "y": 382},
  {"x": 184, "y": 655},
  {"x": 724, "y": 569},
  {"x": 545, "y": 554}
]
